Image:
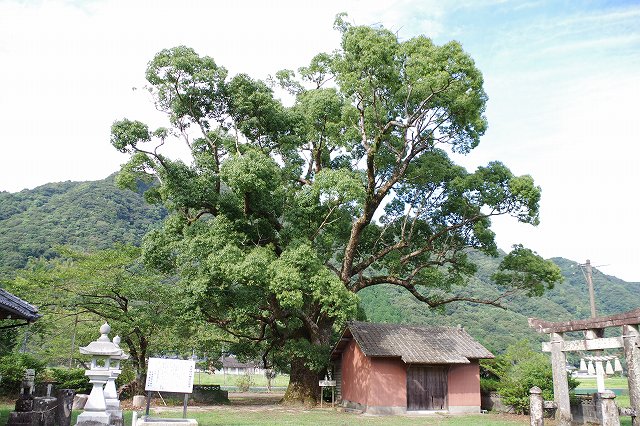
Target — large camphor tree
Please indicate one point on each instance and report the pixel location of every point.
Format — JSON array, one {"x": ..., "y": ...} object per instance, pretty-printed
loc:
[{"x": 286, "y": 212}]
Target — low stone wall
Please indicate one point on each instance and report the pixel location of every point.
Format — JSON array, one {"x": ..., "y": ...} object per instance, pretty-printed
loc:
[
  {"x": 492, "y": 402},
  {"x": 209, "y": 394},
  {"x": 584, "y": 411},
  {"x": 204, "y": 394}
]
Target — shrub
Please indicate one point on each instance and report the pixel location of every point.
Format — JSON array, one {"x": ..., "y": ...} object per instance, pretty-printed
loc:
[
  {"x": 125, "y": 380},
  {"x": 488, "y": 385},
  {"x": 12, "y": 369},
  {"x": 71, "y": 378},
  {"x": 244, "y": 382},
  {"x": 519, "y": 369}
]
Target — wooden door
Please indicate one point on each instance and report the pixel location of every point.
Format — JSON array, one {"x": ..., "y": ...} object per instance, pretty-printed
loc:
[{"x": 427, "y": 388}]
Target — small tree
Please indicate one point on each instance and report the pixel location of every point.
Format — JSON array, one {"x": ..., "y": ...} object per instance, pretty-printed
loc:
[
  {"x": 12, "y": 369},
  {"x": 519, "y": 369},
  {"x": 270, "y": 374},
  {"x": 78, "y": 291}
]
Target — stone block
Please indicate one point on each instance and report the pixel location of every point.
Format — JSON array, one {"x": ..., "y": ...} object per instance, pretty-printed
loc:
[
  {"x": 117, "y": 417},
  {"x": 23, "y": 419},
  {"x": 24, "y": 404},
  {"x": 45, "y": 406},
  {"x": 139, "y": 401},
  {"x": 79, "y": 401},
  {"x": 88, "y": 418}
]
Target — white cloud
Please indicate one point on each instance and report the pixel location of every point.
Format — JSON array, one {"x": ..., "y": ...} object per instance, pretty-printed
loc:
[{"x": 563, "y": 92}]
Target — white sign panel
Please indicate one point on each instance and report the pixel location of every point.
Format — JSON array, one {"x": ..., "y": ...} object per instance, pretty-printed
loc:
[{"x": 170, "y": 375}]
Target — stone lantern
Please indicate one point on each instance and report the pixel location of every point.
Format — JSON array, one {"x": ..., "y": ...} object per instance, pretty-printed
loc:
[
  {"x": 102, "y": 350},
  {"x": 110, "y": 391}
]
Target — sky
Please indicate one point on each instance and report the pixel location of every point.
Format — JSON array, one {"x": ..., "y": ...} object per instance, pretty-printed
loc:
[{"x": 563, "y": 79}]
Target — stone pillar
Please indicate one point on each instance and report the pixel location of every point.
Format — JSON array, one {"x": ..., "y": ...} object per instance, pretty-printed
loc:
[
  {"x": 65, "y": 405},
  {"x": 110, "y": 391},
  {"x": 45, "y": 409},
  {"x": 95, "y": 410},
  {"x": 631, "y": 338},
  {"x": 609, "y": 409},
  {"x": 560, "y": 384},
  {"x": 599, "y": 376},
  {"x": 536, "y": 406}
]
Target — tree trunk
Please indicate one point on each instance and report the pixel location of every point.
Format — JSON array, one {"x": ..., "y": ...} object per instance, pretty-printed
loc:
[
  {"x": 138, "y": 355},
  {"x": 303, "y": 385}
]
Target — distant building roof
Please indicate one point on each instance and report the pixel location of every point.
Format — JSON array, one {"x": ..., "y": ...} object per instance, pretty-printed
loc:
[
  {"x": 12, "y": 307},
  {"x": 230, "y": 361},
  {"x": 413, "y": 344}
]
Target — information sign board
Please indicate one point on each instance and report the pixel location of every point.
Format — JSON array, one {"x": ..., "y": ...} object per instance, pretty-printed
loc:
[{"x": 170, "y": 375}]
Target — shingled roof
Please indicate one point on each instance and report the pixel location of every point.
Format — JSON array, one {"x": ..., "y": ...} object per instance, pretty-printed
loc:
[
  {"x": 413, "y": 344},
  {"x": 12, "y": 307}
]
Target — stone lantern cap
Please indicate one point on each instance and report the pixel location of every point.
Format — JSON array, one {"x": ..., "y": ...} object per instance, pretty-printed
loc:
[
  {"x": 102, "y": 346},
  {"x": 122, "y": 356}
]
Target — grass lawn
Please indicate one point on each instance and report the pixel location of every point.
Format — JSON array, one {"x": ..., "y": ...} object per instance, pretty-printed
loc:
[
  {"x": 258, "y": 380},
  {"x": 610, "y": 383},
  {"x": 613, "y": 383},
  {"x": 276, "y": 415},
  {"x": 328, "y": 417}
]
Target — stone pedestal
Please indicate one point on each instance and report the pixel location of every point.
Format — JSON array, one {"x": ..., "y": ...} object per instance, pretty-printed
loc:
[
  {"x": 95, "y": 409},
  {"x": 27, "y": 418},
  {"x": 42, "y": 413},
  {"x": 46, "y": 409},
  {"x": 139, "y": 401},
  {"x": 608, "y": 409},
  {"x": 30, "y": 410},
  {"x": 24, "y": 403},
  {"x": 116, "y": 417}
]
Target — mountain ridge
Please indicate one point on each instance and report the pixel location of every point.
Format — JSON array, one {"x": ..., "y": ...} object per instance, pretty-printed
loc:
[{"x": 96, "y": 214}]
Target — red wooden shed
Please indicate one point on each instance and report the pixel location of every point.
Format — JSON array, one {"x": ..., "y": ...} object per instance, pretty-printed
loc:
[{"x": 392, "y": 368}]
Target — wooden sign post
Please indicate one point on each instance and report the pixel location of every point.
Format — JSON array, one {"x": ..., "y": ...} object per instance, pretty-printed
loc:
[
  {"x": 170, "y": 375},
  {"x": 328, "y": 383}
]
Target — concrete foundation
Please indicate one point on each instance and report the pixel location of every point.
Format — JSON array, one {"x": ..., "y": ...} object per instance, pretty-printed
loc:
[
  {"x": 463, "y": 409},
  {"x": 89, "y": 418},
  {"x": 151, "y": 421}
]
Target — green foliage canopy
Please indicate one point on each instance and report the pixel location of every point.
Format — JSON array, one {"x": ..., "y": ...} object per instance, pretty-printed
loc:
[
  {"x": 76, "y": 292},
  {"x": 286, "y": 212}
]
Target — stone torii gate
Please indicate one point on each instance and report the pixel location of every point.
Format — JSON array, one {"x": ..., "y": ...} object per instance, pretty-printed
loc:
[{"x": 593, "y": 330}]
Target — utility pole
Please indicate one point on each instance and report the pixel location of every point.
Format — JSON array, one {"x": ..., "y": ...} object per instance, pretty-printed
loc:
[{"x": 588, "y": 274}]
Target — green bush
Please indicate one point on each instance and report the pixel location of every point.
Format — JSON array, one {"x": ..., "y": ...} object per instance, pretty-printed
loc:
[
  {"x": 244, "y": 382},
  {"x": 71, "y": 378},
  {"x": 12, "y": 369},
  {"x": 519, "y": 369},
  {"x": 127, "y": 376},
  {"x": 488, "y": 384}
]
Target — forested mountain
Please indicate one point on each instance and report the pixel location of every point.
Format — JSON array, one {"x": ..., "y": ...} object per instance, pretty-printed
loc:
[
  {"x": 498, "y": 328},
  {"x": 84, "y": 215},
  {"x": 92, "y": 215}
]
